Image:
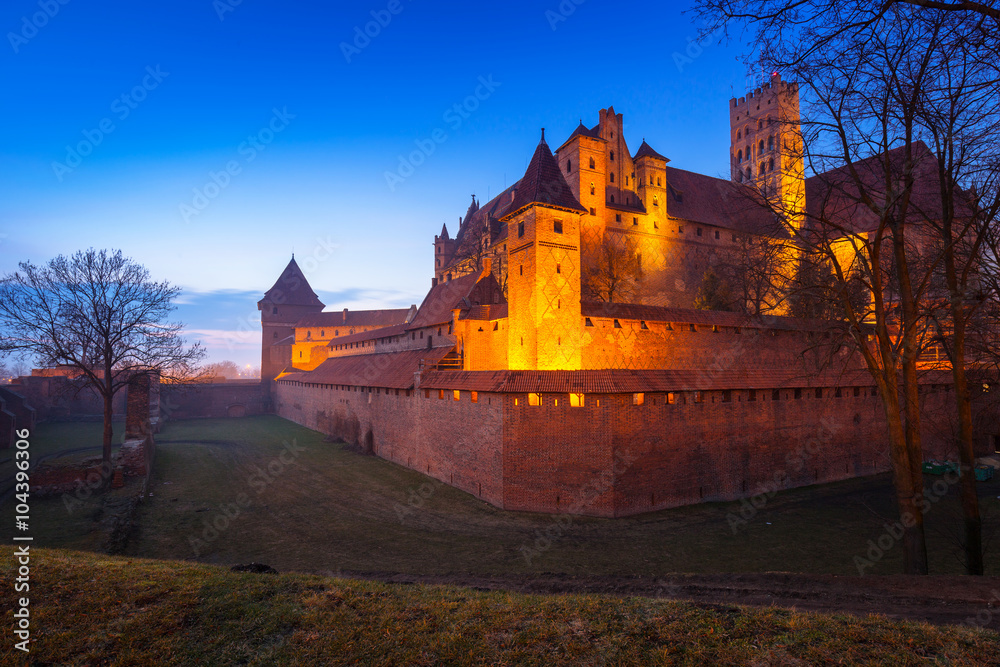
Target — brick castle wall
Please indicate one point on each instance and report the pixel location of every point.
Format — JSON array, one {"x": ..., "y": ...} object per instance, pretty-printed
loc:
[{"x": 612, "y": 457}]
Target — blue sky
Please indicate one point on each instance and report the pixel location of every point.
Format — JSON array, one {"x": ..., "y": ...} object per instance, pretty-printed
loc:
[{"x": 210, "y": 139}]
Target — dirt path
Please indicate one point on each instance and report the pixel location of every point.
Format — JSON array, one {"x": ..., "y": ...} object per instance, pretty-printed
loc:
[{"x": 940, "y": 600}]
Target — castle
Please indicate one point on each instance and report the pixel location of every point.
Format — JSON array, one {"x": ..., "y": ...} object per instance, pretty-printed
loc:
[{"x": 558, "y": 364}]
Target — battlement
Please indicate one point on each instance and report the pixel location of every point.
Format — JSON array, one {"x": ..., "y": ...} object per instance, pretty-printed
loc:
[{"x": 772, "y": 87}]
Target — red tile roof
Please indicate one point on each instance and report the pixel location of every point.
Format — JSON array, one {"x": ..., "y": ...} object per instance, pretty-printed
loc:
[
  {"x": 645, "y": 150},
  {"x": 439, "y": 302},
  {"x": 491, "y": 311},
  {"x": 355, "y": 318},
  {"x": 632, "y": 381},
  {"x": 543, "y": 183},
  {"x": 393, "y": 369},
  {"x": 722, "y": 203},
  {"x": 371, "y": 334},
  {"x": 834, "y": 195}
]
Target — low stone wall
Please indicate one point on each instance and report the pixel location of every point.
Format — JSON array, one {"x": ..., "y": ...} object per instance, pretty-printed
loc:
[{"x": 49, "y": 479}]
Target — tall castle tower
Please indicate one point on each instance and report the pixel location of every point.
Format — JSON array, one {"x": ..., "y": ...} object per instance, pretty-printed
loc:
[
  {"x": 543, "y": 269},
  {"x": 766, "y": 144},
  {"x": 288, "y": 301}
]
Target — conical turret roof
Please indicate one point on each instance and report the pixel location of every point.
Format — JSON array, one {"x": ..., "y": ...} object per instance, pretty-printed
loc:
[
  {"x": 543, "y": 183},
  {"x": 292, "y": 288}
]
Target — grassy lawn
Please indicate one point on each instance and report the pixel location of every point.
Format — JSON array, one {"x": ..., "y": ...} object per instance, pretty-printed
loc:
[
  {"x": 332, "y": 510},
  {"x": 91, "y": 610},
  {"x": 53, "y": 437}
]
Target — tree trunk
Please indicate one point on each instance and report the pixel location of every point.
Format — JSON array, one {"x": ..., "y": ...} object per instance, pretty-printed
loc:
[
  {"x": 966, "y": 451},
  {"x": 108, "y": 430},
  {"x": 907, "y": 496}
]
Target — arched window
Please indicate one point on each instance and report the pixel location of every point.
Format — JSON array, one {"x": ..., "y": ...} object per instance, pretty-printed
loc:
[
  {"x": 592, "y": 191},
  {"x": 309, "y": 335},
  {"x": 591, "y": 163},
  {"x": 656, "y": 200},
  {"x": 650, "y": 179},
  {"x": 770, "y": 143},
  {"x": 770, "y": 164},
  {"x": 761, "y": 169},
  {"x": 612, "y": 177},
  {"x": 760, "y": 148},
  {"x": 739, "y": 135},
  {"x": 739, "y": 157},
  {"x": 612, "y": 156},
  {"x": 749, "y": 174},
  {"x": 612, "y": 199},
  {"x": 760, "y": 124},
  {"x": 740, "y": 172}
]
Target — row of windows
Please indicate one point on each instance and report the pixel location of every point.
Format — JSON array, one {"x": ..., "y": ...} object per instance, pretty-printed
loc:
[{"x": 557, "y": 227}]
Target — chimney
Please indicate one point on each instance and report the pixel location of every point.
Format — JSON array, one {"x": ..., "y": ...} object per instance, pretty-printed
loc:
[
  {"x": 345, "y": 316},
  {"x": 487, "y": 267}
]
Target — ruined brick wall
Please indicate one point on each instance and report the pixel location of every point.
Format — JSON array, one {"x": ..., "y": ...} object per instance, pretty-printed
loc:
[
  {"x": 457, "y": 442},
  {"x": 136, "y": 457},
  {"x": 225, "y": 399}
]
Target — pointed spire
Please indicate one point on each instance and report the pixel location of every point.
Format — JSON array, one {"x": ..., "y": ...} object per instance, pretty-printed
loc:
[
  {"x": 444, "y": 232},
  {"x": 543, "y": 183},
  {"x": 645, "y": 150},
  {"x": 292, "y": 288}
]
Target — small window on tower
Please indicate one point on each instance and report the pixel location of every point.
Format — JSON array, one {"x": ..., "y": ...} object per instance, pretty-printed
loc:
[
  {"x": 591, "y": 163},
  {"x": 569, "y": 166},
  {"x": 520, "y": 229},
  {"x": 274, "y": 311},
  {"x": 699, "y": 231},
  {"x": 520, "y": 270},
  {"x": 739, "y": 159},
  {"x": 558, "y": 268},
  {"x": 592, "y": 189},
  {"x": 635, "y": 221},
  {"x": 618, "y": 324},
  {"x": 642, "y": 324},
  {"x": 618, "y": 217},
  {"x": 612, "y": 177},
  {"x": 587, "y": 322},
  {"x": 612, "y": 156},
  {"x": 770, "y": 164},
  {"x": 656, "y": 200},
  {"x": 593, "y": 211},
  {"x": 557, "y": 226},
  {"x": 770, "y": 143},
  {"x": 612, "y": 199}
]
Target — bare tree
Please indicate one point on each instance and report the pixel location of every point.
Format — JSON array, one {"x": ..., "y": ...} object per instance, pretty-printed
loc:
[
  {"x": 714, "y": 293},
  {"x": 612, "y": 272},
  {"x": 756, "y": 269},
  {"x": 99, "y": 312},
  {"x": 871, "y": 73},
  {"x": 224, "y": 369}
]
